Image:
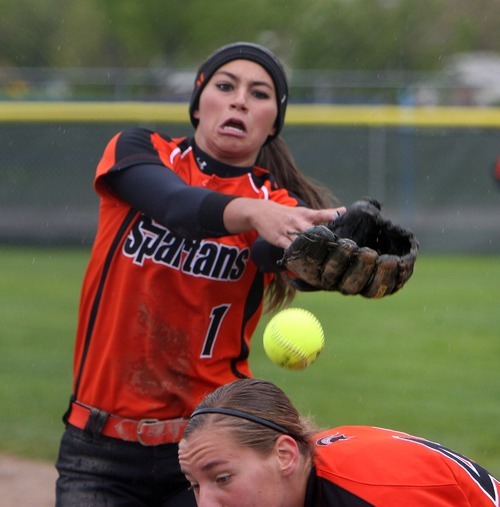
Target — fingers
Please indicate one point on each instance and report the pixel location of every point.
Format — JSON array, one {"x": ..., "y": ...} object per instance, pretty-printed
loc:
[
  {"x": 339, "y": 211},
  {"x": 302, "y": 219},
  {"x": 327, "y": 215},
  {"x": 276, "y": 223}
]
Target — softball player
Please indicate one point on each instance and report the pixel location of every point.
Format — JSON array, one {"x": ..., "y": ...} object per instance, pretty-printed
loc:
[
  {"x": 189, "y": 234},
  {"x": 247, "y": 445}
]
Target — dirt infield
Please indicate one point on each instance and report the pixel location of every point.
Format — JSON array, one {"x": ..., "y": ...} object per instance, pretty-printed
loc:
[{"x": 26, "y": 482}]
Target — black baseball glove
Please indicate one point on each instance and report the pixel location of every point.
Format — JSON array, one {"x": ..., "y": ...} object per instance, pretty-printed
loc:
[{"x": 359, "y": 253}]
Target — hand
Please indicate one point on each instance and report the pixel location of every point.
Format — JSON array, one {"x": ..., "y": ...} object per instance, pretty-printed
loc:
[
  {"x": 360, "y": 253},
  {"x": 276, "y": 223}
]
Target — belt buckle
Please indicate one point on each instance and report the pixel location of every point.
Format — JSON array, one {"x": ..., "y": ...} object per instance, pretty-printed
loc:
[{"x": 140, "y": 425}]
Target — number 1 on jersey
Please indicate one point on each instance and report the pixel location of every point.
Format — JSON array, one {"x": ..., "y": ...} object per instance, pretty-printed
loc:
[{"x": 216, "y": 317}]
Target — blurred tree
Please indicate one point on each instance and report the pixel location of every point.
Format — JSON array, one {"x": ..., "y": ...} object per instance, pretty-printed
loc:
[
  {"x": 22, "y": 27},
  {"x": 371, "y": 34},
  {"x": 476, "y": 25},
  {"x": 44, "y": 33},
  {"x": 182, "y": 32},
  {"x": 322, "y": 34}
]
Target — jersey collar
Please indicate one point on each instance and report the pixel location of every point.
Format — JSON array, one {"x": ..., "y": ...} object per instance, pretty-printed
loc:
[{"x": 209, "y": 165}]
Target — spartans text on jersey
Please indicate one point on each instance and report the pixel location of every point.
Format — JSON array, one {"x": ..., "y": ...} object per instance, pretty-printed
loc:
[{"x": 209, "y": 259}]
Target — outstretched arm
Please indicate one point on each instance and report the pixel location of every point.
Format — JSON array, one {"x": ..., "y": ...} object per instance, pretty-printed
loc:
[{"x": 198, "y": 212}]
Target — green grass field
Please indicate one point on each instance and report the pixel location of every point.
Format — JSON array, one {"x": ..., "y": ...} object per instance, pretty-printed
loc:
[{"x": 426, "y": 360}]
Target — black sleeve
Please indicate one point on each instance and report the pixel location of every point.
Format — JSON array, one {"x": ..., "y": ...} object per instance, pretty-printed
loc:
[
  {"x": 266, "y": 256},
  {"x": 155, "y": 190}
]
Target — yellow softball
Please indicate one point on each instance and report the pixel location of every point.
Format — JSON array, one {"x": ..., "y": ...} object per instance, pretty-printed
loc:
[{"x": 293, "y": 338}]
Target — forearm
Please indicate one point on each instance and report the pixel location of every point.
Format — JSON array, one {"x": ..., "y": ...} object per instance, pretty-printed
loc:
[
  {"x": 198, "y": 213},
  {"x": 158, "y": 192},
  {"x": 275, "y": 223}
]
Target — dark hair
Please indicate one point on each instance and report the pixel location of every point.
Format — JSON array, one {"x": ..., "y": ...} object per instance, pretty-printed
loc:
[
  {"x": 277, "y": 159},
  {"x": 258, "y": 399}
]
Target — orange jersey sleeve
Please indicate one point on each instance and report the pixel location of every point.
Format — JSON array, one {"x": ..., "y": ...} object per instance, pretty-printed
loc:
[{"x": 388, "y": 468}]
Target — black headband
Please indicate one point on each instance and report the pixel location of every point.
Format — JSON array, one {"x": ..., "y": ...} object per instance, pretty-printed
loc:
[
  {"x": 243, "y": 51},
  {"x": 244, "y": 415}
]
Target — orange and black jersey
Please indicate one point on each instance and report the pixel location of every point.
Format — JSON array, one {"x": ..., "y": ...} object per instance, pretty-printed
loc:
[
  {"x": 361, "y": 466},
  {"x": 169, "y": 301}
]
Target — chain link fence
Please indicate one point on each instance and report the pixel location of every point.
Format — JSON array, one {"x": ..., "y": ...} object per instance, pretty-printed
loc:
[{"x": 455, "y": 85}]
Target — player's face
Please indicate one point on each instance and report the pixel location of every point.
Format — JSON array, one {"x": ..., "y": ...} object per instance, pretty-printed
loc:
[
  {"x": 237, "y": 111},
  {"x": 222, "y": 473}
]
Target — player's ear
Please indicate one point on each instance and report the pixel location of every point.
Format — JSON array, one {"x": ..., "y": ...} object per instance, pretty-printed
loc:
[
  {"x": 288, "y": 454},
  {"x": 196, "y": 114}
]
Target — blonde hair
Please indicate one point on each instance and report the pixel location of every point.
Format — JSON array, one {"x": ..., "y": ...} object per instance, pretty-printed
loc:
[{"x": 258, "y": 399}]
